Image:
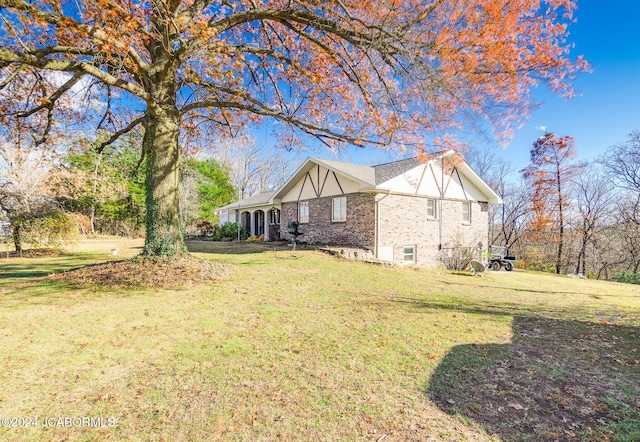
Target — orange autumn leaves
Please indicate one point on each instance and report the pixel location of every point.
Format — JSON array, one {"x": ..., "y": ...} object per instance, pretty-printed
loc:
[{"x": 366, "y": 72}]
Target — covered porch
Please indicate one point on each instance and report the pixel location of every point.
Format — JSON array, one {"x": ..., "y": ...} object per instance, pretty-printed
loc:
[{"x": 258, "y": 215}]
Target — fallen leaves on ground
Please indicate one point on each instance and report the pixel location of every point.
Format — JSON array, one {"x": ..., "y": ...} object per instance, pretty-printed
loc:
[{"x": 146, "y": 272}]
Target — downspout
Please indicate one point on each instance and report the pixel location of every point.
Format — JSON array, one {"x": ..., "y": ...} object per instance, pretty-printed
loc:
[
  {"x": 377, "y": 242},
  {"x": 239, "y": 212},
  {"x": 439, "y": 214},
  {"x": 440, "y": 223}
]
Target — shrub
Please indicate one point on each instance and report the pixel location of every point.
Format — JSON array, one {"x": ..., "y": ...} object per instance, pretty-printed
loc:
[
  {"x": 627, "y": 277},
  {"x": 457, "y": 258},
  {"x": 46, "y": 230},
  {"x": 538, "y": 266},
  {"x": 205, "y": 228},
  {"x": 229, "y": 231}
]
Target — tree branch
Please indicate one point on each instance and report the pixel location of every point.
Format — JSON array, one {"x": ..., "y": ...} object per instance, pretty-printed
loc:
[
  {"x": 9, "y": 56},
  {"x": 49, "y": 103},
  {"x": 258, "y": 108},
  {"x": 116, "y": 135},
  {"x": 11, "y": 76}
]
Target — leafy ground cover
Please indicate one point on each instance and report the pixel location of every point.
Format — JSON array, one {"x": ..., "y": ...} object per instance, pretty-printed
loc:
[{"x": 304, "y": 346}]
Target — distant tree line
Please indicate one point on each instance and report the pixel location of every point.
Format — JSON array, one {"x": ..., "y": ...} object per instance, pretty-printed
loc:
[
  {"x": 109, "y": 190},
  {"x": 46, "y": 197},
  {"x": 566, "y": 216}
]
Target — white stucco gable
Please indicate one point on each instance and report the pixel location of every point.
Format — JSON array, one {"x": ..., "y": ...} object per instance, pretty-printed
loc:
[
  {"x": 321, "y": 178},
  {"x": 439, "y": 179}
]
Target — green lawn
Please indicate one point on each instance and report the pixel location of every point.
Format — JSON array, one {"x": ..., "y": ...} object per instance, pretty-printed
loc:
[{"x": 303, "y": 346}]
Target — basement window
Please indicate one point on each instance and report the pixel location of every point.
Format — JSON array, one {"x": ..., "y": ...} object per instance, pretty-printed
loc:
[{"x": 409, "y": 254}]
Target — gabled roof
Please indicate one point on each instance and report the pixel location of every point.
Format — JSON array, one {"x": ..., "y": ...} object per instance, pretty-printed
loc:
[
  {"x": 369, "y": 177},
  {"x": 364, "y": 175},
  {"x": 467, "y": 171},
  {"x": 259, "y": 199}
]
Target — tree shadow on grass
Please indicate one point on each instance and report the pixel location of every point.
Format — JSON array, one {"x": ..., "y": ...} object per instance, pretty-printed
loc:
[
  {"x": 557, "y": 380},
  {"x": 25, "y": 268}
]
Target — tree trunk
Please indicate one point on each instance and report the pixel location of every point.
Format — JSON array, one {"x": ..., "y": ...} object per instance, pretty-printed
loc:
[
  {"x": 98, "y": 160},
  {"x": 582, "y": 254},
  {"x": 163, "y": 223},
  {"x": 17, "y": 238},
  {"x": 561, "y": 220}
]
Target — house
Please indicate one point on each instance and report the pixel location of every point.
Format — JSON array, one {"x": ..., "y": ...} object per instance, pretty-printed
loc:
[
  {"x": 259, "y": 215},
  {"x": 410, "y": 211}
]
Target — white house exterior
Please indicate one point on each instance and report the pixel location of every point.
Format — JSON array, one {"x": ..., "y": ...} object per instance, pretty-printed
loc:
[{"x": 406, "y": 212}]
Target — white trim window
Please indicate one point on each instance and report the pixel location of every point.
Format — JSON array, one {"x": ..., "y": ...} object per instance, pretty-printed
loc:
[
  {"x": 409, "y": 254},
  {"x": 303, "y": 212},
  {"x": 339, "y": 209},
  {"x": 466, "y": 212},
  {"x": 431, "y": 208}
]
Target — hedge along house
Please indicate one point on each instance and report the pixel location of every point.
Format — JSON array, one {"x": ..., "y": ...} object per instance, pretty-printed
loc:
[
  {"x": 259, "y": 215},
  {"x": 412, "y": 211}
]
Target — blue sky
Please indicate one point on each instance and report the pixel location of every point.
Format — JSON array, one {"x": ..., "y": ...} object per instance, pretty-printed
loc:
[{"x": 607, "y": 106}]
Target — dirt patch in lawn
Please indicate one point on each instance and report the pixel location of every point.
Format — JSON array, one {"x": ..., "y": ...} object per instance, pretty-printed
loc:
[
  {"x": 146, "y": 272},
  {"x": 558, "y": 380}
]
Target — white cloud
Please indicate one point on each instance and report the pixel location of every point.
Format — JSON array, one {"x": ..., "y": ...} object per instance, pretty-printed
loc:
[
  {"x": 78, "y": 98},
  {"x": 542, "y": 128}
]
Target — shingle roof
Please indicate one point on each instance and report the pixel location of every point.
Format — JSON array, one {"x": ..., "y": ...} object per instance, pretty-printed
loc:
[
  {"x": 384, "y": 172},
  {"x": 258, "y": 199},
  {"x": 365, "y": 174},
  {"x": 373, "y": 175}
]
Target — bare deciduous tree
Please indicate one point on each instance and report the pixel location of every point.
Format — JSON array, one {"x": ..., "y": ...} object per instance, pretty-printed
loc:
[
  {"x": 513, "y": 217},
  {"x": 594, "y": 197},
  {"x": 252, "y": 168}
]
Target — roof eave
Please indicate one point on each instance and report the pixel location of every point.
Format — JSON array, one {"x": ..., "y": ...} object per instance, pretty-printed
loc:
[{"x": 492, "y": 196}]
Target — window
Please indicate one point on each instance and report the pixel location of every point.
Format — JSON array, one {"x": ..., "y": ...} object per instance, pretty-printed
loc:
[
  {"x": 274, "y": 215},
  {"x": 431, "y": 208},
  {"x": 409, "y": 254},
  {"x": 339, "y": 212},
  {"x": 466, "y": 213},
  {"x": 303, "y": 212}
]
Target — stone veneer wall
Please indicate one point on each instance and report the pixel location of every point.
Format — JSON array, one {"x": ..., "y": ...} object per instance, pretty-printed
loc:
[
  {"x": 403, "y": 222},
  {"x": 358, "y": 230}
]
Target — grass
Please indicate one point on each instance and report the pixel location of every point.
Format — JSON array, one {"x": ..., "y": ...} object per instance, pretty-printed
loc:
[{"x": 302, "y": 346}]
